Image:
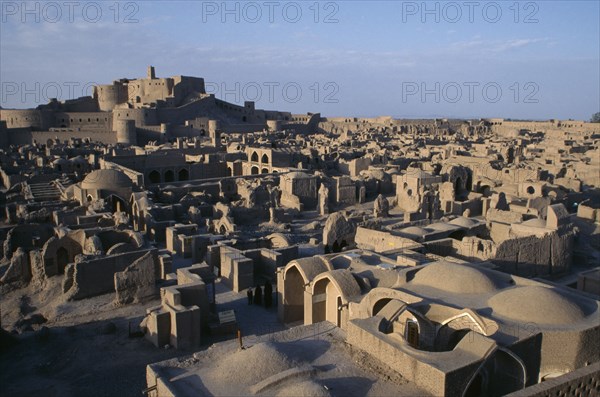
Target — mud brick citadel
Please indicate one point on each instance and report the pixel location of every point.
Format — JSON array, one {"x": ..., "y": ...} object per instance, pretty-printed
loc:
[{"x": 229, "y": 250}]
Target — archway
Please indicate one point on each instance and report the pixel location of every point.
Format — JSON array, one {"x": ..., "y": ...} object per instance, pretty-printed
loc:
[
  {"x": 380, "y": 304},
  {"x": 169, "y": 176},
  {"x": 254, "y": 170},
  {"x": 117, "y": 204},
  {"x": 326, "y": 299},
  {"x": 62, "y": 259},
  {"x": 458, "y": 185},
  {"x": 335, "y": 248},
  {"x": 510, "y": 155},
  {"x": 264, "y": 171},
  {"x": 264, "y": 159},
  {"x": 293, "y": 298},
  {"x": 154, "y": 177},
  {"x": 183, "y": 175},
  {"x": 502, "y": 373},
  {"x": 254, "y": 157}
]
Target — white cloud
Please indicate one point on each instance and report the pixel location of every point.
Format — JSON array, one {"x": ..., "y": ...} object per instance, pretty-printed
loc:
[{"x": 493, "y": 46}]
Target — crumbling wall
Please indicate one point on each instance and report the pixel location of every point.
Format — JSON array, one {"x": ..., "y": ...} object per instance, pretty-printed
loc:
[
  {"x": 289, "y": 200},
  {"x": 496, "y": 215},
  {"x": 532, "y": 256},
  {"x": 137, "y": 282},
  {"x": 18, "y": 271},
  {"x": 379, "y": 241},
  {"x": 54, "y": 262},
  {"x": 28, "y": 237},
  {"x": 338, "y": 230},
  {"x": 38, "y": 270},
  {"x": 96, "y": 276}
]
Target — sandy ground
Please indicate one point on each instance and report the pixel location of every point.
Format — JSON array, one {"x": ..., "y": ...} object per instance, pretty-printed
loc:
[{"x": 81, "y": 356}]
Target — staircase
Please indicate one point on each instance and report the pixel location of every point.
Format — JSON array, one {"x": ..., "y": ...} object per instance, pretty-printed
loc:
[{"x": 44, "y": 191}]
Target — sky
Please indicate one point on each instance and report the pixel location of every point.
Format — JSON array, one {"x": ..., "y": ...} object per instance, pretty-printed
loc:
[{"x": 406, "y": 59}]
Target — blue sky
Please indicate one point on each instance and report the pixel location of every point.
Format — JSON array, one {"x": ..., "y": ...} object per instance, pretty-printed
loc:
[{"x": 535, "y": 60}]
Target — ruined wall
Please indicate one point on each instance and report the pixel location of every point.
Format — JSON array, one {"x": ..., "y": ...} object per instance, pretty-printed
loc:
[
  {"x": 237, "y": 270},
  {"x": 137, "y": 282},
  {"x": 96, "y": 276},
  {"x": 532, "y": 256},
  {"x": 378, "y": 241}
]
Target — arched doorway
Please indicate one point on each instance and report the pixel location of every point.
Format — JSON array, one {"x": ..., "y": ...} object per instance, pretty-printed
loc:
[
  {"x": 458, "y": 185},
  {"x": 264, "y": 171},
  {"x": 183, "y": 175},
  {"x": 169, "y": 176},
  {"x": 62, "y": 259},
  {"x": 326, "y": 300},
  {"x": 293, "y": 298},
  {"x": 154, "y": 177},
  {"x": 117, "y": 204},
  {"x": 335, "y": 248},
  {"x": 254, "y": 170}
]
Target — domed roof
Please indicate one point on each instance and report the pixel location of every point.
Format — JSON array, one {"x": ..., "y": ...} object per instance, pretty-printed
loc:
[
  {"x": 106, "y": 179},
  {"x": 60, "y": 161},
  {"x": 78, "y": 159},
  {"x": 454, "y": 277},
  {"x": 535, "y": 304},
  {"x": 464, "y": 222}
]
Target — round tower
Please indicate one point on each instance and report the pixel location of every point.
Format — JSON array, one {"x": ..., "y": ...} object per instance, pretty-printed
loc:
[
  {"x": 274, "y": 125},
  {"x": 110, "y": 95},
  {"x": 214, "y": 132},
  {"x": 126, "y": 132}
]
